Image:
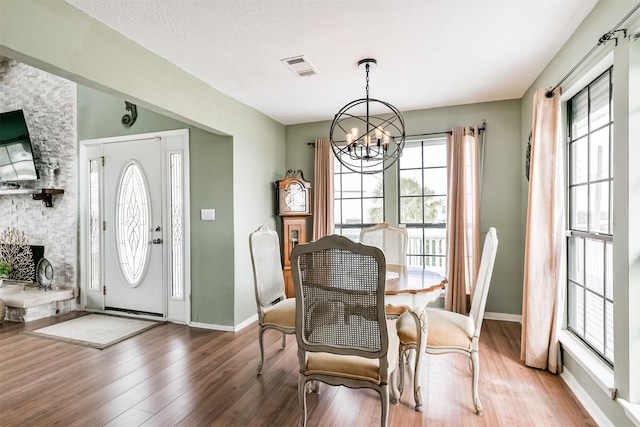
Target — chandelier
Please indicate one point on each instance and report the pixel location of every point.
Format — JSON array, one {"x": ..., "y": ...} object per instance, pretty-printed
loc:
[{"x": 366, "y": 143}]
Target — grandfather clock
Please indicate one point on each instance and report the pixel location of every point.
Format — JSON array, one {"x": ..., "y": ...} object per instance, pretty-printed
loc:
[{"x": 293, "y": 207}]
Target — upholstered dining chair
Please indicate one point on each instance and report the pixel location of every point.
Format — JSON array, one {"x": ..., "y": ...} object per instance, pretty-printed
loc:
[
  {"x": 275, "y": 311},
  {"x": 392, "y": 240},
  {"x": 341, "y": 327},
  {"x": 449, "y": 332}
]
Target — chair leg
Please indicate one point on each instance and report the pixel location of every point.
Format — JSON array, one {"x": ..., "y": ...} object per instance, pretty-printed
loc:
[
  {"x": 401, "y": 373},
  {"x": 420, "y": 349},
  {"x": 302, "y": 399},
  {"x": 284, "y": 340},
  {"x": 475, "y": 360},
  {"x": 394, "y": 393},
  {"x": 312, "y": 387},
  {"x": 384, "y": 396},
  {"x": 260, "y": 332}
]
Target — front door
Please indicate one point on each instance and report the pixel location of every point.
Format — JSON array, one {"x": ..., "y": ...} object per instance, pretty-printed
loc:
[{"x": 133, "y": 225}]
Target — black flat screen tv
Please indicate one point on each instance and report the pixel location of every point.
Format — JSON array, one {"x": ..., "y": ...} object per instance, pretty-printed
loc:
[{"x": 16, "y": 153}]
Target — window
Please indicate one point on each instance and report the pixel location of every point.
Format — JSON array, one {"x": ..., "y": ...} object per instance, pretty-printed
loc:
[
  {"x": 177, "y": 226},
  {"x": 590, "y": 241},
  {"x": 95, "y": 226},
  {"x": 132, "y": 224},
  {"x": 423, "y": 202},
  {"x": 358, "y": 200}
]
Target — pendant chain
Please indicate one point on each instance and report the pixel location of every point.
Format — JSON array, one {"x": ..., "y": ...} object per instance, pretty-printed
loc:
[{"x": 367, "y": 66}]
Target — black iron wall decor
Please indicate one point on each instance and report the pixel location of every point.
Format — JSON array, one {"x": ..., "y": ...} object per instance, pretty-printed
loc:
[
  {"x": 130, "y": 118},
  {"x": 528, "y": 157}
]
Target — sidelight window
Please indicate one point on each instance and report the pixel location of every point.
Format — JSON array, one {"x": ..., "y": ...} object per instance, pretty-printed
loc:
[
  {"x": 177, "y": 255},
  {"x": 95, "y": 222}
]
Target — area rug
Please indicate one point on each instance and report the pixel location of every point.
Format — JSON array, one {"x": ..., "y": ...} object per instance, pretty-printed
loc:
[{"x": 95, "y": 330}]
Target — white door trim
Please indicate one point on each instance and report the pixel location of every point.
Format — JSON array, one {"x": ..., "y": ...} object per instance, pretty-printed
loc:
[{"x": 176, "y": 141}]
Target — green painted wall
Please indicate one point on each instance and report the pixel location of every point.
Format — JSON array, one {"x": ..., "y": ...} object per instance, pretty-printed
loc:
[
  {"x": 54, "y": 36},
  {"x": 212, "y": 242},
  {"x": 211, "y": 177},
  {"x": 500, "y": 201}
]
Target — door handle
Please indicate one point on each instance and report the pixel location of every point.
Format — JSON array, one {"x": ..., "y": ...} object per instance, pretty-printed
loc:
[{"x": 156, "y": 241}]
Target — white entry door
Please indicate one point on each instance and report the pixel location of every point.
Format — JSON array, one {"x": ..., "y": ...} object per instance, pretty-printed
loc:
[
  {"x": 134, "y": 230},
  {"x": 134, "y": 239}
]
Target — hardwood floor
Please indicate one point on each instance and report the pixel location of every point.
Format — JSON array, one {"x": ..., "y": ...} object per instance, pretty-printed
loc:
[{"x": 173, "y": 375}]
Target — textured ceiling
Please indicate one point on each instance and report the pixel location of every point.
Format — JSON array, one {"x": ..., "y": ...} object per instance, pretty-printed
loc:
[{"x": 430, "y": 53}]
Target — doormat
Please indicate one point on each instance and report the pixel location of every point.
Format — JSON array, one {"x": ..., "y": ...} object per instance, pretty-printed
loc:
[{"x": 95, "y": 330}]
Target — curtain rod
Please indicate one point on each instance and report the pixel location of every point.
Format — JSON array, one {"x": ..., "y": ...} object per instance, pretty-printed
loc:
[
  {"x": 602, "y": 40},
  {"x": 446, "y": 132}
]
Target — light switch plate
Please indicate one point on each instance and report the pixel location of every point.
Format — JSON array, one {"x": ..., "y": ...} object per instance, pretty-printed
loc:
[{"x": 207, "y": 214}]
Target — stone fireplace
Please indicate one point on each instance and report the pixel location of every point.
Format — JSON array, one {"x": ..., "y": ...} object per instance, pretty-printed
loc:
[{"x": 50, "y": 107}]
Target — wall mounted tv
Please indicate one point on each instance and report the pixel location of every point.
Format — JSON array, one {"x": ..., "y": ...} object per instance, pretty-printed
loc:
[{"x": 16, "y": 152}]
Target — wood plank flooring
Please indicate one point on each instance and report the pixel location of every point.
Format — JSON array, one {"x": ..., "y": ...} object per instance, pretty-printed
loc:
[{"x": 173, "y": 375}]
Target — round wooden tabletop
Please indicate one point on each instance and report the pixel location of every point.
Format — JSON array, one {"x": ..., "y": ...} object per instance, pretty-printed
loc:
[{"x": 411, "y": 280}]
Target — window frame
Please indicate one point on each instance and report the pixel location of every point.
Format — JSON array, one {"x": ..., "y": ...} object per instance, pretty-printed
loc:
[
  {"x": 584, "y": 235},
  {"x": 431, "y": 256},
  {"x": 338, "y": 175}
]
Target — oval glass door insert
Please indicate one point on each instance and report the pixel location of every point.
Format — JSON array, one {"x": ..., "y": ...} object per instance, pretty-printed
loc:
[{"x": 132, "y": 224}]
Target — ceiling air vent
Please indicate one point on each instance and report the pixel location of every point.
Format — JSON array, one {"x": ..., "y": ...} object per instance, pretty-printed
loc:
[{"x": 299, "y": 65}]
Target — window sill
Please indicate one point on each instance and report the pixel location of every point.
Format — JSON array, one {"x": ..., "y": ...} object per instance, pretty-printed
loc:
[
  {"x": 631, "y": 410},
  {"x": 599, "y": 371}
]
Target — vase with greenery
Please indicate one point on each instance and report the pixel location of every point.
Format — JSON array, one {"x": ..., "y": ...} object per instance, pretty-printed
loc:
[{"x": 5, "y": 270}]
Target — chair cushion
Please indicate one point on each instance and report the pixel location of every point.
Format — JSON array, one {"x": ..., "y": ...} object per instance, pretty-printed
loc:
[
  {"x": 355, "y": 367},
  {"x": 445, "y": 329},
  {"x": 281, "y": 314}
]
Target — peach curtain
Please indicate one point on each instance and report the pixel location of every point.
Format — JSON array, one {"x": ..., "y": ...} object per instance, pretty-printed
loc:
[
  {"x": 323, "y": 191},
  {"x": 462, "y": 217},
  {"x": 543, "y": 291}
]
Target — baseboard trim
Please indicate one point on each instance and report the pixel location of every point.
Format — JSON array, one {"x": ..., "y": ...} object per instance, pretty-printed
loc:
[
  {"x": 598, "y": 416},
  {"x": 223, "y": 328},
  {"x": 487, "y": 315},
  {"x": 226, "y": 328},
  {"x": 507, "y": 317},
  {"x": 246, "y": 323}
]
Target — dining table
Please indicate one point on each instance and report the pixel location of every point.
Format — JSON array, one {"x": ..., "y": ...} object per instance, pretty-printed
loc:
[{"x": 411, "y": 289}]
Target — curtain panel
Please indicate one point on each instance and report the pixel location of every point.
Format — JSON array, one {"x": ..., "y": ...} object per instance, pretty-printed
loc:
[
  {"x": 323, "y": 192},
  {"x": 462, "y": 217},
  {"x": 543, "y": 292}
]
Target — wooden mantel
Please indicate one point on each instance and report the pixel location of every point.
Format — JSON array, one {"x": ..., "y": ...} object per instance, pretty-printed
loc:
[{"x": 44, "y": 194}]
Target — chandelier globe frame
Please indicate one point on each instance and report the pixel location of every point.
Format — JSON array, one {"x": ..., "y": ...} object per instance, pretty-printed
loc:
[{"x": 363, "y": 142}]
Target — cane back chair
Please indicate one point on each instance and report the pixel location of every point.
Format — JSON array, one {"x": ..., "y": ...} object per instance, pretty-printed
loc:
[{"x": 341, "y": 327}]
